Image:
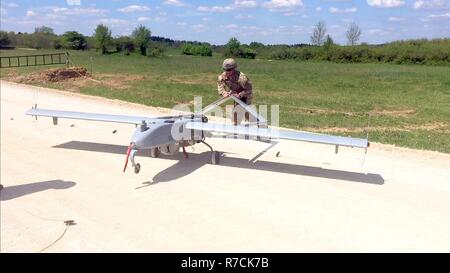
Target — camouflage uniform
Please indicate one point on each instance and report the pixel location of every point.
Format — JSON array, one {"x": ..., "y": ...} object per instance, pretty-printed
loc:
[{"x": 239, "y": 83}]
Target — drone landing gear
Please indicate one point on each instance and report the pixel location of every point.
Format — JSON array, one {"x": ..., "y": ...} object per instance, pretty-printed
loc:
[
  {"x": 215, "y": 155},
  {"x": 184, "y": 152},
  {"x": 131, "y": 153},
  {"x": 136, "y": 166},
  {"x": 155, "y": 152}
]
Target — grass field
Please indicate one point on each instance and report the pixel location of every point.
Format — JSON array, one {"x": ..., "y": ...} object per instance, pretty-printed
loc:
[{"x": 409, "y": 104}]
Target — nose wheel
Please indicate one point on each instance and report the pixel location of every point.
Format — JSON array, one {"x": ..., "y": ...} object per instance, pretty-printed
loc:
[{"x": 137, "y": 168}]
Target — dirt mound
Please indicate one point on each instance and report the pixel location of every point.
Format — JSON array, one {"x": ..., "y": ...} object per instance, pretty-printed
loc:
[
  {"x": 64, "y": 73},
  {"x": 58, "y": 74}
]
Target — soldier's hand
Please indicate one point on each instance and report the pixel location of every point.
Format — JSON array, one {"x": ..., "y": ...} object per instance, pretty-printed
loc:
[{"x": 226, "y": 94}]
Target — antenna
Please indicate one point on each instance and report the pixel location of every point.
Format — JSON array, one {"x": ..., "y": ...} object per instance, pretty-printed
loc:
[{"x": 367, "y": 137}]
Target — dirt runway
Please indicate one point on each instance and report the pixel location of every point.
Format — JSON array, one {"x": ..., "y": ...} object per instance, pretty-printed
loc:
[{"x": 308, "y": 199}]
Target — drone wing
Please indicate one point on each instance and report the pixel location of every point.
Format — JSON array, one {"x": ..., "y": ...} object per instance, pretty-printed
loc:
[
  {"x": 272, "y": 133},
  {"x": 55, "y": 114}
]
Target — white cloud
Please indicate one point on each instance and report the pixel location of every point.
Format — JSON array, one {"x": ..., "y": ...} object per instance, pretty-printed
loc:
[
  {"x": 446, "y": 15},
  {"x": 385, "y": 3},
  {"x": 143, "y": 19},
  {"x": 431, "y": 4},
  {"x": 432, "y": 17},
  {"x": 113, "y": 22},
  {"x": 59, "y": 10},
  {"x": 287, "y": 30},
  {"x": 241, "y": 16},
  {"x": 134, "y": 8},
  {"x": 346, "y": 10},
  {"x": 199, "y": 28},
  {"x": 418, "y": 4},
  {"x": 3, "y": 11},
  {"x": 237, "y": 4},
  {"x": 318, "y": 9},
  {"x": 396, "y": 19},
  {"x": 215, "y": 9},
  {"x": 176, "y": 3},
  {"x": 181, "y": 24},
  {"x": 253, "y": 28},
  {"x": 230, "y": 26},
  {"x": 245, "y": 4},
  {"x": 13, "y": 5},
  {"x": 374, "y": 31},
  {"x": 79, "y": 11},
  {"x": 31, "y": 13},
  {"x": 282, "y": 4},
  {"x": 347, "y": 20},
  {"x": 73, "y": 2}
]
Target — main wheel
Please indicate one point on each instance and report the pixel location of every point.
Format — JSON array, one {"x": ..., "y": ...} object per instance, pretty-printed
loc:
[
  {"x": 215, "y": 157},
  {"x": 137, "y": 168},
  {"x": 155, "y": 152}
]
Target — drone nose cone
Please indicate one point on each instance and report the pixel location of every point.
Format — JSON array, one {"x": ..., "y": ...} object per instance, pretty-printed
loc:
[
  {"x": 139, "y": 139},
  {"x": 154, "y": 136}
]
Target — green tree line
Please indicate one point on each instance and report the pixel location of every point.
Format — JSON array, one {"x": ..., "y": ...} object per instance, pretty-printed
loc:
[
  {"x": 101, "y": 40},
  {"x": 433, "y": 52},
  {"x": 321, "y": 48}
]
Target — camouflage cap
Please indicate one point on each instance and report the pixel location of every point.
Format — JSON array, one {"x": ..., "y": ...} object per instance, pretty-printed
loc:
[{"x": 229, "y": 64}]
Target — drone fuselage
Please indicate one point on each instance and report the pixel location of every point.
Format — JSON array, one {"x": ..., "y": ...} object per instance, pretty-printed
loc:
[{"x": 165, "y": 136}]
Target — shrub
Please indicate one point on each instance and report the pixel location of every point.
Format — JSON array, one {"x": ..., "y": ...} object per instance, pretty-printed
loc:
[
  {"x": 4, "y": 39},
  {"x": 232, "y": 48},
  {"x": 102, "y": 36},
  {"x": 198, "y": 50},
  {"x": 141, "y": 36},
  {"x": 74, "y": 40},
  {"x": 304, "y": 53},
  {"x": 124, "y": 43},
  {"x": 248, "y": 53},
  {"x": 156, "y": 51}
]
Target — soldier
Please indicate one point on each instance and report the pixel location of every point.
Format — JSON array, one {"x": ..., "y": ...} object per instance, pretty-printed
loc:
[{"x": 234, "y": 82}]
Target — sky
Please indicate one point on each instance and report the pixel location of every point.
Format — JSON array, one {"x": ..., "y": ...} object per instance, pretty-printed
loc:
[{"x": 265, "y": 21}]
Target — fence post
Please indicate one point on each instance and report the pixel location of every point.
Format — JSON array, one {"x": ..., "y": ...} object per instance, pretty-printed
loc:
[{"x": 67, "y": 59}]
